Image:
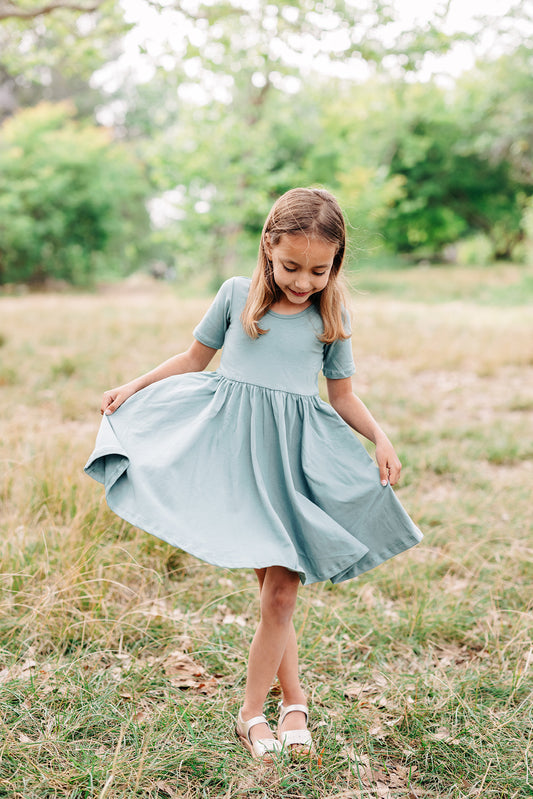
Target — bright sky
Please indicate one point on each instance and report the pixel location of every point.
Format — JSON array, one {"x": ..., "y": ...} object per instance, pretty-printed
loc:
[
  {"x": 460, "y": 17},
  {"x": 460, "y": 13}
]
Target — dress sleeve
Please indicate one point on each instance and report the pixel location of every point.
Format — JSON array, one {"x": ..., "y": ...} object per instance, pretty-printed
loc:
[
  {"x": 211, "y": 330},
  {"x": 338, "y": 357}
]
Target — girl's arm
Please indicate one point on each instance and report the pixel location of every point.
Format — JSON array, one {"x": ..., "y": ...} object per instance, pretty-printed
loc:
[
  {"x": 195, "y": 359},
  {"x": 356, "y": 414}
]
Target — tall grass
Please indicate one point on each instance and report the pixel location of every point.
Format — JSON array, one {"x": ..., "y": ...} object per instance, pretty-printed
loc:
[{"x": 122, "y": 661}]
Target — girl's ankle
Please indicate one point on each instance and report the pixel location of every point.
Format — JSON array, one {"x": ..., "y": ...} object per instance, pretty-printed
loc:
[
  {"x": 297, "y": 698},
  {"x": 247, "y": 714}
]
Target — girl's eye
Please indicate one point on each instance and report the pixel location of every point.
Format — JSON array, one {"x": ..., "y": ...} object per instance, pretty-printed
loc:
[
  {"x": 319, "y": 274},
  {"x": 288, "y": 269}
]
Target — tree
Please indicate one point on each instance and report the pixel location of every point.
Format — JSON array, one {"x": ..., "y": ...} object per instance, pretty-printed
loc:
[
  {"x": 72, "y": 201},
  {"x": 218, "y": 178},
  {"x": 53, "y": 56},
  {"x": 418, "y": 166},
  {"x": 9, "y": 10},
  {"x": 225, "y": 122},
  {"x": 449, "y": 190}
]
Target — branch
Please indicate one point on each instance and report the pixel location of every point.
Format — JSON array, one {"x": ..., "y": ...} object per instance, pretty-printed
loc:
[{"x": 8, "y": 9}]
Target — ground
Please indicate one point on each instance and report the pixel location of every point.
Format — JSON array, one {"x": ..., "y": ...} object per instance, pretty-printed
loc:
[{"x": 122, "y": 660}]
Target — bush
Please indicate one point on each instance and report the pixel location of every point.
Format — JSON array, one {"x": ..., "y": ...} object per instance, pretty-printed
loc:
[
  {"x": 72, "y": 202},
  {"x": 475, "y": 251}
]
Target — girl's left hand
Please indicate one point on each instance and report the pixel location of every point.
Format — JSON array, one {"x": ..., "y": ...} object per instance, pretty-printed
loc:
[{"x": 388, "y": 462}]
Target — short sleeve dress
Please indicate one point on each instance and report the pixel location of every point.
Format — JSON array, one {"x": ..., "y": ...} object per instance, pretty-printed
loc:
[{"x": 247, "y": 466}]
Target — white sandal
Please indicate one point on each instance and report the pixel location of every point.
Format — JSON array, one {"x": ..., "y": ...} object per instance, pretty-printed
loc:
[
  {"x": 295, "y": 738},
  {"x": 263, "y": 748}
]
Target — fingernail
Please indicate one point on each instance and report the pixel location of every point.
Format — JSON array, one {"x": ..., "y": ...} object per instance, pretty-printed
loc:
[{"x": 384, "y": 482}]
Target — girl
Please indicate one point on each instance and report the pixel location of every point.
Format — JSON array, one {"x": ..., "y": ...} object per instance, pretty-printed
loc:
[{"x": 247, "y": 466}]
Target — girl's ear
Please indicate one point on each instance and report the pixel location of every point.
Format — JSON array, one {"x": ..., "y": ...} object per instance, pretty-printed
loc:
[{"x": 267, "y": 245}]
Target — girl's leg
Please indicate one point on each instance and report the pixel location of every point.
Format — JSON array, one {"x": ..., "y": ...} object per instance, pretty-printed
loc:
[
  {"x": 279, "y": 588},
  {"x": 291, "y": 689},
  {"x": 288, "y": 670},
  {"x": 287, "y": 673}
]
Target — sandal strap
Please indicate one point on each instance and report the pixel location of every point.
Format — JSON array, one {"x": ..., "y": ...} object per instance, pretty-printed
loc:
[
  {"x": 296, "y": 738},
  {"x": 284, "y": 711},
  {"x": 262, "y": 746},
  {"x": 246, "y": 726}
]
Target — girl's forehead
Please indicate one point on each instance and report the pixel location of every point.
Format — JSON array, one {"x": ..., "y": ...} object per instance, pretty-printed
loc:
[{"x": 305, "y": 249}]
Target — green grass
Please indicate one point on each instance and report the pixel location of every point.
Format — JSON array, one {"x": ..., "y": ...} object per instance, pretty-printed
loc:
[
  {"x": 501, "y": 285},
  {"x": 122, "y": 660}
]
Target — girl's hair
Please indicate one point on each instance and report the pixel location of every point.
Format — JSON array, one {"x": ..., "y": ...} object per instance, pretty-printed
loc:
[{"x": 315, "y": 213}]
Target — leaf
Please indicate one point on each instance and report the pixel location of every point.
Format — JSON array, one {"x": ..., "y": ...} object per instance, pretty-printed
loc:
[
  {"x": 167, "y": 789},
  {"x": 180, "y": 664},
  {"x": 209, "y": 687},
  {"x": 377, "y": 731},
  {"x": 184, "y": 672},
  {"x": 444, "y": 734}
]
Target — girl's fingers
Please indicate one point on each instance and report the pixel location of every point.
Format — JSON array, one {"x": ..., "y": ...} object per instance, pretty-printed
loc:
[
  {"x": 394, "y": 473},
  {"x": 108, "y": 403},
  {"x": 113, "y": 400},
  {"x": 111, "y": 408},
  {"x": 389, "y": 472}
]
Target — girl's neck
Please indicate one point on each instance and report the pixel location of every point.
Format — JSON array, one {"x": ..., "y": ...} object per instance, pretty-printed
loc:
[{"x": 286, "y": 308}]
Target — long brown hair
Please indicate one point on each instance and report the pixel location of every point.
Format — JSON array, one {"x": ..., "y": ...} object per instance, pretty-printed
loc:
[{"x": 316, "y": 213}]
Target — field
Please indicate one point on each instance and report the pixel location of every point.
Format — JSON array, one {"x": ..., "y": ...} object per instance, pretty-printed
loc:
[{"x": 122, "y": 660}]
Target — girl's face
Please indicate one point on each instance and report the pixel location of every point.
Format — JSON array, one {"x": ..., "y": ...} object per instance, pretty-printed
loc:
[{"x": 302, "y": 267}]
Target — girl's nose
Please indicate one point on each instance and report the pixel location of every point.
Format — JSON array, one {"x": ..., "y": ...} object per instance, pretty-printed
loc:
[{"x": 302, "y": 283}]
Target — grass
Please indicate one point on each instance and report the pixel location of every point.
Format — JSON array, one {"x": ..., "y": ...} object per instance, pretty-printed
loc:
[
  {"x": 501, "y": 285},
  {"x": 122, "y": 661}
]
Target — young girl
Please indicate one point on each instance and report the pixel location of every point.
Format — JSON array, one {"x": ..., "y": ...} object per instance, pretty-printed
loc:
[{"x": 247, "y": 466}]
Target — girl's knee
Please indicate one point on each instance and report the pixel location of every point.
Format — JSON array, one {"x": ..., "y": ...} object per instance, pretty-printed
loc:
[{"x": 278, "y": 596}]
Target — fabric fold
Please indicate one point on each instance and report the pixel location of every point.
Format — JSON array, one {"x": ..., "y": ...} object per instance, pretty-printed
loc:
[{"x": 241, "y": 475}]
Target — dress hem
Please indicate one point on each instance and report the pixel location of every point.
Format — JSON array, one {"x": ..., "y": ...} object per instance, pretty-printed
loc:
[{"x": 351, "y": 570}]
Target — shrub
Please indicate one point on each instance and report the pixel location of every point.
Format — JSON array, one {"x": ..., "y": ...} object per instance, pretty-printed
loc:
[{"x": 72, "y": 201}]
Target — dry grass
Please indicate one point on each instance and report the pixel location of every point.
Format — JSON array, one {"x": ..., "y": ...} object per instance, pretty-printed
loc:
[{"x": 122, "y": 660}]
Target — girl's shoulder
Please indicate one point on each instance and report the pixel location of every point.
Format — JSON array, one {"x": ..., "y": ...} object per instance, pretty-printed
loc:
[
  {"x": 235, "y": 284},
  {"x": 236, "y": 289},
  {"x": 241, "y": 283}
]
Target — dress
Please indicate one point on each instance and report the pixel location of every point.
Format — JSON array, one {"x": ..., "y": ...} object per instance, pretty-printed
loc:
[{"x": 247, "y": 466}]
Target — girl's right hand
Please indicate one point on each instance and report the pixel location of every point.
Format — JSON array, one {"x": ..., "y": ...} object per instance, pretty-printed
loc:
[{"x": 114, "y": 398}]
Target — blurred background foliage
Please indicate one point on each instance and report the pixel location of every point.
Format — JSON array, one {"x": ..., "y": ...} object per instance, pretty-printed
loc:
[{"x": 157, "y": 133}]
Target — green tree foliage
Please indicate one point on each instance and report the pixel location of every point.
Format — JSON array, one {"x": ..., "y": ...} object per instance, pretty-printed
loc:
[
  {"x": 497, "y": 99},
  {"x": 219, "y": 177},
  {"x": 52, "y": 56},
  {"x": 419, "y": 167},
  {"x": 71, "y": 200},
  {"x": 449, "y": 190},
  {"x": 229, "y": 119},
  {"x": 235, "y": 109}
]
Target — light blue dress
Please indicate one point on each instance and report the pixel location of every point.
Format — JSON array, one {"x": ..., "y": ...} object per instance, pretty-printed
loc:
[{"x": 247, "y": 466}]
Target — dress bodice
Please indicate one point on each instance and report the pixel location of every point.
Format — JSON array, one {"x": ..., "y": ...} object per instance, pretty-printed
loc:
[{"x": 288, "y": 357}]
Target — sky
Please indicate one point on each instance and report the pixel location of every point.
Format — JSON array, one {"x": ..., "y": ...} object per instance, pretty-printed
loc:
[
  {"x": 460, "y": 13},
  {"x": 461, "y": 17}
]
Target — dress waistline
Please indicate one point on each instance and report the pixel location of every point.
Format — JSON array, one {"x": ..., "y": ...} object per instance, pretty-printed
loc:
[{"x": 230, "y": 379}]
